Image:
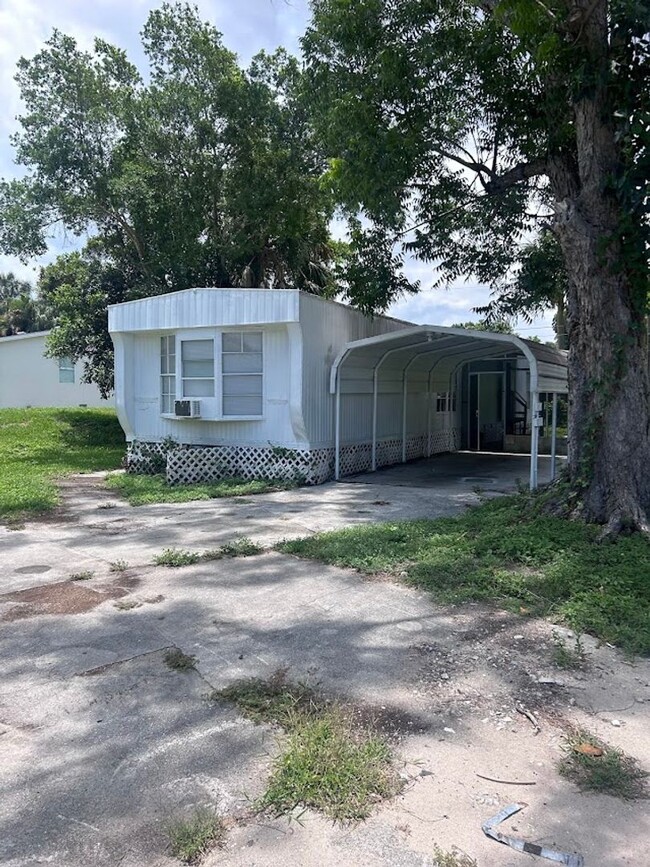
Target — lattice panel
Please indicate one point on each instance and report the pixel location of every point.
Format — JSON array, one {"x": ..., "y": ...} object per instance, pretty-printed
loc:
[
  {"x": 416, "y": 447},
  {"x": 389, "y": 452},
  {"x": 355, "y": 458},
  {"x": 444, "y": 441},
  {"x": 188, "y": 464},
  {"x": 146, "y": 459}
]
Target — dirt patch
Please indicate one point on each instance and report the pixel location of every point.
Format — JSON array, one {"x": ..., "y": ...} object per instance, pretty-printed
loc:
[
  {"x": 393, "y": 723},
  {"x": 65, "y": 597},
  {"x": 127, "y": 582}
]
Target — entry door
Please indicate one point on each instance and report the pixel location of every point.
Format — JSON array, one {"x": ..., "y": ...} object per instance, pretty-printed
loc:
[{"x": 486, "y": 394}]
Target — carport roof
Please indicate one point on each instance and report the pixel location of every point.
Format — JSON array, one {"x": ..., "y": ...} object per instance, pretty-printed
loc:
[{"x": 430, "y": 343}]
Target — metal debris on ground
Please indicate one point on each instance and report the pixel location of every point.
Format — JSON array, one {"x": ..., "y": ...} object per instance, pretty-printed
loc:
[{"x": 489, "y": 825}]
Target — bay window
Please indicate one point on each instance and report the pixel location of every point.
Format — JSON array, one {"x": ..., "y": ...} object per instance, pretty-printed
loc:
[{"x": 228, "y": 378}]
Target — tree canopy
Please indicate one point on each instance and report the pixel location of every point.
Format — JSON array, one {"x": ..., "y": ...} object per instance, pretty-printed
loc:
[
  {"x": 457, "y": 130},
  {"x": 20, "y": 309},
  {"x": 197, "y": 172}
]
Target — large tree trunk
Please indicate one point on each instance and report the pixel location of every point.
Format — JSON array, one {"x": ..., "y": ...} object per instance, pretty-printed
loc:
[{"x": 609, "y": 405}]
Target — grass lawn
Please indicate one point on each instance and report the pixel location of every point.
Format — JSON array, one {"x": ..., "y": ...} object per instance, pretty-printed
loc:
[
  {"x": 505, "y": 551},
  {"x": 142, "y": 490},
  {"x": 39, "y": 445}
]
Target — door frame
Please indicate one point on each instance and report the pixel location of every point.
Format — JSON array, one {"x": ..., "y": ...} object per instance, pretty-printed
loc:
[{"x": 479, "y": 374}]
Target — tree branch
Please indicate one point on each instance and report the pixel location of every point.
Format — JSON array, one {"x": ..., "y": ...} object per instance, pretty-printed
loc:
[
  {"x": 518, "y": 173},
  {"x": 479, "y": 168}
]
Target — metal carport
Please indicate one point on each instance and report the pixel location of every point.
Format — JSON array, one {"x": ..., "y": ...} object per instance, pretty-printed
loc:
[{"x": 425, "y": 360}]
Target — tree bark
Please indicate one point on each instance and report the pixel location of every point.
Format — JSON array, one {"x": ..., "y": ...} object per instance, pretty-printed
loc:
[
  {"x": 609, "y": 391},
  {"x": 609, "y": 398},
  {"x": 561, "y": 337}
]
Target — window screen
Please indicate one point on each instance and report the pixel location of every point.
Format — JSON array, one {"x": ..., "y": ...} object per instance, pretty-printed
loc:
[
  {"x": 66, "y": 370},
  {"x": 167, "y": 373},
  {"x": 197, "y": 365},
  {"x": 242, "y": 367}
]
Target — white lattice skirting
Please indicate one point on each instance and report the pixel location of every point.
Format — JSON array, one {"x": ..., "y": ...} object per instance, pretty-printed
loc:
[{"x": 185, "y": 464}]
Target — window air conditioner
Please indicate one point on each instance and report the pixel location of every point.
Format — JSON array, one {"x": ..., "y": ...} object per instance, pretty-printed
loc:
[{"x": 187, "y": 408}]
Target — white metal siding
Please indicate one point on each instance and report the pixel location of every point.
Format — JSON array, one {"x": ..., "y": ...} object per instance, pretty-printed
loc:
[
  {"x": 196, "y": 308},
  {"x": 28, "y": 378},
  {"x": 326, "y": 328}
]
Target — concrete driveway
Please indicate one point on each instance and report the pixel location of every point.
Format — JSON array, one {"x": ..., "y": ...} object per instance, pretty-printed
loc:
[
  {"x": 467, "y": 471},
  {"x": 101, "y": 745}
]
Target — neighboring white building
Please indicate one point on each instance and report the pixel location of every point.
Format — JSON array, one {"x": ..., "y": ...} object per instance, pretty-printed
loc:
[
  {"x": 28, "y": 378},
  {"x": 263, "y": 382}
]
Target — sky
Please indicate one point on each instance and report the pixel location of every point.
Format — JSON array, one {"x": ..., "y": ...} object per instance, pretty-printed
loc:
[{"x": 247, "y": 27}]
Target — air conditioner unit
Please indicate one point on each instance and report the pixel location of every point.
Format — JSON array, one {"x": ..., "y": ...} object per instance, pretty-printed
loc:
[{"x": 187, "y": 408}]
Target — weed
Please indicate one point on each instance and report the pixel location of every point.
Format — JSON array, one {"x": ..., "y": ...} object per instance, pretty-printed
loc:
[
  {"x": 190, "y": 839},
  {"x": 239, "y": 548},
  {"x": 272, "y": 700},
  {"x": 81, "y": 576},
  {"x": 455, "y": 858},
  {"x": 568, "y": 657},
  {"x": 505, "y": 550},
  {"x": 141, "y": 490},
  {"x": 175, "y": 557},
  {"x": 329, "y": 763},
  {"x": 119, "y": 566},
  {"x": 596, "y": 767},
  {"x": 40, "y": 445},
  {"x": 126, "y": 604},
  {"x": 331, "y": 766},
  {"x": 175, "y": 659}
]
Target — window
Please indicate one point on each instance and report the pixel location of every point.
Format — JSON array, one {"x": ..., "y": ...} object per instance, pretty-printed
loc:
[
  {"x": 242, "y": 373},
  {"x": 197, "y": 368},
  {"x": 167, "y": 373},
  {"x": 446, "y": 401},
  {"x": 66, "y": 370}
]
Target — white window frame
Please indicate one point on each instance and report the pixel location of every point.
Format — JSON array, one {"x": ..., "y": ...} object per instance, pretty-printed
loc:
[
  {"x": 445, "y": 401},
  {"x": 224, "y": 375},
  {"x": 66, "y": 365},
  {"x": 165, "y": 377},
  {"x": 183, "y": 379},
  {"x": 212, "y": 407}
]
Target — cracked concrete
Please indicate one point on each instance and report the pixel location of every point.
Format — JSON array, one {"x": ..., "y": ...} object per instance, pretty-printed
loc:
[{"x": 101, "y": 744}]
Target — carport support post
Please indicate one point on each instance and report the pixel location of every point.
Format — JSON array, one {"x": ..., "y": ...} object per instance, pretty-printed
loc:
[
  {"x": 404, "y": 402},
  {"x": 337, "y": 428},
  {"x": 553, "y": 435},
  {"x": 429, "y": 410},
  {"x": 534, "y": 439},
  {"x": 375, "y": 389}
]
